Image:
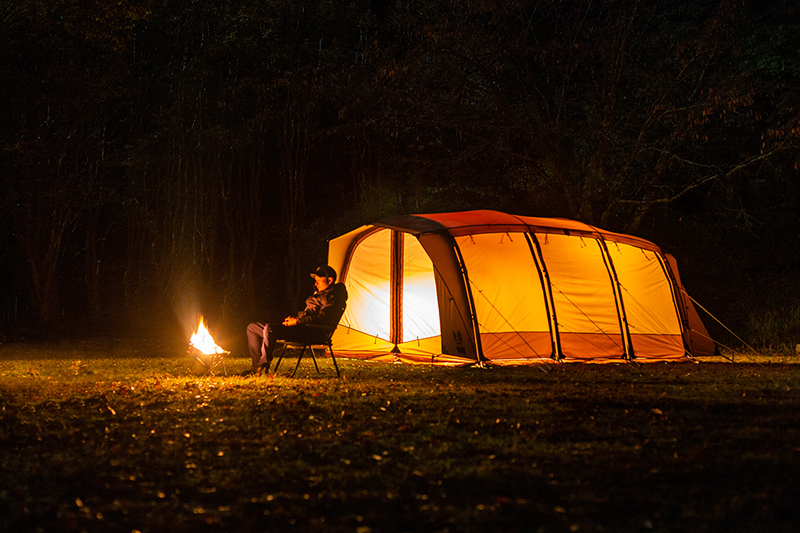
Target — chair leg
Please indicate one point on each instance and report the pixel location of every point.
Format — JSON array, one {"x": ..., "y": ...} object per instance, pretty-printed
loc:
[
  {"x": 333, "y": 358},
  {"x": 299, "y": 358},
  {"x": 314, "y": 357},
  {"x": 280, "y": 358}
]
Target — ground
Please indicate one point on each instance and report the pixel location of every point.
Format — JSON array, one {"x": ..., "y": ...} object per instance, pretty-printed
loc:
[{"x": 108, "y": 436}]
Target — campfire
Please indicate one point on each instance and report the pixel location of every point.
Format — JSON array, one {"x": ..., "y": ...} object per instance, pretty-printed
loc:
[
  {"x": 203, "y": 342},
  {"x": 207, "y": 352}
]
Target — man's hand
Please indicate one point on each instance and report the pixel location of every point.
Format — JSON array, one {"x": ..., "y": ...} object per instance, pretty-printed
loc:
[{"x": 290, "y": 321}]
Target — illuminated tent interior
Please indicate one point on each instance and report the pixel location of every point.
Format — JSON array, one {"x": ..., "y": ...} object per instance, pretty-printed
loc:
[{"x": 485, "y": 286}]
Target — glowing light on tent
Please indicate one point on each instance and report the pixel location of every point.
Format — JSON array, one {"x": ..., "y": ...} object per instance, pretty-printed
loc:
[
  {"x": 420, "y": 310},
  {"x": 203, "y": 341}
]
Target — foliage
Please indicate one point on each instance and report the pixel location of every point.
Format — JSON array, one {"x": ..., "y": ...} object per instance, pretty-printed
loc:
[
  {"x": 775, "y": 329},
  {"x": 615, "y": 107},
  {"x": 120, "y": 437},
  {"x": 161, "y": 159}
]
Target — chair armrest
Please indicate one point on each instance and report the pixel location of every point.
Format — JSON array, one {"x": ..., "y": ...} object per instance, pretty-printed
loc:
[
  {"x": 320, "y": 326},
  {"x": 322, "y": 334}
]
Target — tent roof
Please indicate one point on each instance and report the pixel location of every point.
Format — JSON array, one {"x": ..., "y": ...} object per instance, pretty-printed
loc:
[
  {"x": 487, "y": 221},
  {"x": 472, "y": 223},
  {"x": 484, "y": 221}
]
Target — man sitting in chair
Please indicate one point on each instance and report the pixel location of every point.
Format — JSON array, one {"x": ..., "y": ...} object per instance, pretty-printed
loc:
[{"x": 323, "y": 308}]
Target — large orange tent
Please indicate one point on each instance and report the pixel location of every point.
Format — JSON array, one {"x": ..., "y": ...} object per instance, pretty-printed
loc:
[{"x": 485, "y": 286}]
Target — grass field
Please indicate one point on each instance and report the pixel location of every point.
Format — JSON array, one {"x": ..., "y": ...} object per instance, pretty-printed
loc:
[{"x": 101, "y": 437}]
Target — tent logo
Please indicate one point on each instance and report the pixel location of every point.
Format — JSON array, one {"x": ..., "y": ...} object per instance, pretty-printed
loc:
[{"x": 459, "y": 342}]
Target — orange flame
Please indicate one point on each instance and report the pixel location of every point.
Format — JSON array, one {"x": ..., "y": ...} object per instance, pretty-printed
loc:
[{"x": 203, "y": 341}]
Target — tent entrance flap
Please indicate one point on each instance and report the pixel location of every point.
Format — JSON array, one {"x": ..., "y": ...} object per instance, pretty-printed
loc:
[
  {"x": 419, "y": 312},
  {"x": 393, "y": 300}
]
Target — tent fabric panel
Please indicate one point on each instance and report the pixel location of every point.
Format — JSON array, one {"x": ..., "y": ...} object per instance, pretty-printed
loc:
[
  {"x": 521, "y": 362},
  {"x": 583, "y": 295},
  {"x": 482, "y": 221},
  {"x": 428, "y": 346},
  {"x": 558, "y": 225},
  {"x": 436, "y": 359},
  {"x": 418, "y": 359},
  {"x": 646, "y": 291},
  {"x": 369, "y": 286},
  {"x": 420, "y": 305},
  {"x": 517, "y": 345},
  {"x": 662, "y": 347},
  {"x": 506, "y": 287},
  {"x": 366, "y": 355},
  {"x": 697, "y": 338},
  {"x": 347, "y": 339},
  {"x": 356, "y": 345},
  {"x": 587, "y": 346}
]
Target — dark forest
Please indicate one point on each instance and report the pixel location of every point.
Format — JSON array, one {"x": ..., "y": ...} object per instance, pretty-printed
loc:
[{"x": 164, "y": 158}]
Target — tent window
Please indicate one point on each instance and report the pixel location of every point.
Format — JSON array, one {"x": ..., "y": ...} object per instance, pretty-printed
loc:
[
  {"x": 369, "y": 286},
  {"x": 420, "y": 305}
]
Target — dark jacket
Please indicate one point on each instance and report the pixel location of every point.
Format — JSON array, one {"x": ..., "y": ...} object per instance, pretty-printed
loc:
[{"x": 325, "y": 307}]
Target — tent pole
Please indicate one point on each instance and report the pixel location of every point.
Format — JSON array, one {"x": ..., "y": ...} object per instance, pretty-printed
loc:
[
  {"x": 473, "y": 313},
  {"x": 622, "y": 316},
  {"x": 547, "y": 289},
  {"x": 396, "y": 284}
]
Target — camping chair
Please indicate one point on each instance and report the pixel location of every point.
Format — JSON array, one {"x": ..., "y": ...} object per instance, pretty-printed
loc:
[{"x": 322, "y": 342}]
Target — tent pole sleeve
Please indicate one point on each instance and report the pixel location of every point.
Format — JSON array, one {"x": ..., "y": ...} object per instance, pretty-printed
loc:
[
  {"x": 544, "y": 279},
  {"x": 396, "y": 276},
  {"x": 617, "y": 290},
  {"x": 472, "y": 311},
  {"x": 342, "y": 259}
]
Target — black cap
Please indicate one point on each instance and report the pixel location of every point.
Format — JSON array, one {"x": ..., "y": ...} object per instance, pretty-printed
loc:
[{"x": 325, "y": 272}]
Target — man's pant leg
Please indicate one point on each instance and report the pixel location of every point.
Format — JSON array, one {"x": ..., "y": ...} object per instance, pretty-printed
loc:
[
  {"x": 261, "y": 339},
  {"x": 256, "y": 342}
]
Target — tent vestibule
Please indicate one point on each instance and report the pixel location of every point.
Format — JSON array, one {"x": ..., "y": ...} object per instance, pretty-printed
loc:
[{"x": 460, "y": 288}]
